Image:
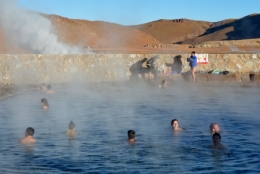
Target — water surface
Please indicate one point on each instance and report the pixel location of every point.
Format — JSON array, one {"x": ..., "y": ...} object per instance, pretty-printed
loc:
[{"x": 103, "y": 113}]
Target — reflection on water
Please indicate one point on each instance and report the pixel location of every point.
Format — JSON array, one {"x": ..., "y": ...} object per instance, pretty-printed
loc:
[{"x": 103, "y": 113}]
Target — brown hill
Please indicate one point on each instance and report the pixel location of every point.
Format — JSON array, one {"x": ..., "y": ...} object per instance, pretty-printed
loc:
[
  {"x": 233, "y": 29},
  {"x": 99, "y": 33},
  {"x": 195, "y": 32},
  {"x": 153, "y": 37},
  {"x": 174, "y": 31}
]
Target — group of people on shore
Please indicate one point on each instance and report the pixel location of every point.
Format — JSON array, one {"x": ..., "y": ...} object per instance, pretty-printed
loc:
[{"x": 193, "y": 65}]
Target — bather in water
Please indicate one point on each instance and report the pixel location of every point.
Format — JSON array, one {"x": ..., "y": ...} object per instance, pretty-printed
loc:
[
  {"x": 44, "y": 103},
  {"x": 28, "y": 136},
  {"x": 72, "y": 128}
]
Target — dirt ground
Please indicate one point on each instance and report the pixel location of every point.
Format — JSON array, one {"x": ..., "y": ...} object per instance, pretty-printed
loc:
[{"x": 173, "y": 50}]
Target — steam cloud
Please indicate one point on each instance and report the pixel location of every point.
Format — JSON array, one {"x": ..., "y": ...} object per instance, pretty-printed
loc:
[{"x": 31, "y": 31}]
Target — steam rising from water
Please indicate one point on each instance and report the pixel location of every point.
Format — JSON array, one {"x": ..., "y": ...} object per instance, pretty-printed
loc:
[{"x": 31, "y": 31}]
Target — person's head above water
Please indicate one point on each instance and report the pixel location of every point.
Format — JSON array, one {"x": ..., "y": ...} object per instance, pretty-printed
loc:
[
  {"x": 72, "y": 125},
  {"x": 49, "y": 90},
  {"x": 214, "y": 128},
  {"x": 131, "y": 135},
  {"x": 29, "y": 131},
  {"x": 216, "y": 138},
  {"x": 44, "y": 103},
  {"x": 28, "y": 136},
  {"x": 175, "y": 124},
  {"x": 71, "y": 128},
  {"x": 42, "y": 87}
]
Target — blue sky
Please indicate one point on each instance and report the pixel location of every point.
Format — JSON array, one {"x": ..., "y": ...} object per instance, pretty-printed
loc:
[{"x": 133, "y": 12}]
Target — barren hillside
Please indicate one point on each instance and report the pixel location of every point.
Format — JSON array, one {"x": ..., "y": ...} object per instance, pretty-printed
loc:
[
  {"x": 98, "y": 33},
  {"x": 174, "y": 31},
  {"x": 161, "y": 36}
]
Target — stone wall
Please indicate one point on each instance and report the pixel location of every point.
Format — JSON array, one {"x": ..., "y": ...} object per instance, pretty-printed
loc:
[{"x": 35, "y": 69}]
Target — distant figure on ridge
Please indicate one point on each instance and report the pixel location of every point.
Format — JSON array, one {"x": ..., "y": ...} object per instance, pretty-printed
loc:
[
  {"x": 49, "y": 90},
  {"x": 28, "y": 136},
  {"x": 44, "y": 103},
  {"x": 131, "y": 135},
  {"x": 72, "y": 128},
  {"x": 175, "y": 124}
]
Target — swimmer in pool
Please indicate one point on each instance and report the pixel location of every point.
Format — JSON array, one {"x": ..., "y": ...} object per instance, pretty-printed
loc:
[
  {"x": 214, "y": 128},
  {"x": 72, "y": 128},
  {"x": 44, "y": 103},
  {"x": 49, "y": 90},
  {"x": 42, "y": 87},
  {"x": 131, "y": 135},
  {"x": 28, "y": 136},
  {"x": 175, "y": 124},
  {"x": 216, "y": 139}
]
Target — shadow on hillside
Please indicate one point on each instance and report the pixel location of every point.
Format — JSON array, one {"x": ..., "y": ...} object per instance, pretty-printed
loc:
[{"x": 244, "y": 28}]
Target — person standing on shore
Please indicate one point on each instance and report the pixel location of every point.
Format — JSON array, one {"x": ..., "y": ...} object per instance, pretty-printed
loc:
[
  {"x": 152, "y": 66},
  {"x": 193, "y": 65}
]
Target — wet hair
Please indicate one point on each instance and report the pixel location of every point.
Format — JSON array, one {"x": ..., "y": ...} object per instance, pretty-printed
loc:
[
  {"x": 71, "y": 125},
  {"x": 131, "y": 134},
  {"x": 216, "y": 135},
  {"x": 29, "y": 131},
  {"x": 174, "y": 121},
  {"x": 193, "y": 52},
  {"x": 45, "y": 102},
  {"x": 48, "y": 86}
]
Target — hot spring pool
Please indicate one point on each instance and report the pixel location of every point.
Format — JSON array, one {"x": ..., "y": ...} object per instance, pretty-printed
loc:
[{"x": 103, "y": 113}]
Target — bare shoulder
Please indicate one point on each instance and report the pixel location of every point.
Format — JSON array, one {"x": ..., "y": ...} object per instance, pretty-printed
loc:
[
  {"x": 21, "y": 140},
  {"x": 26, "y": 140}
]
